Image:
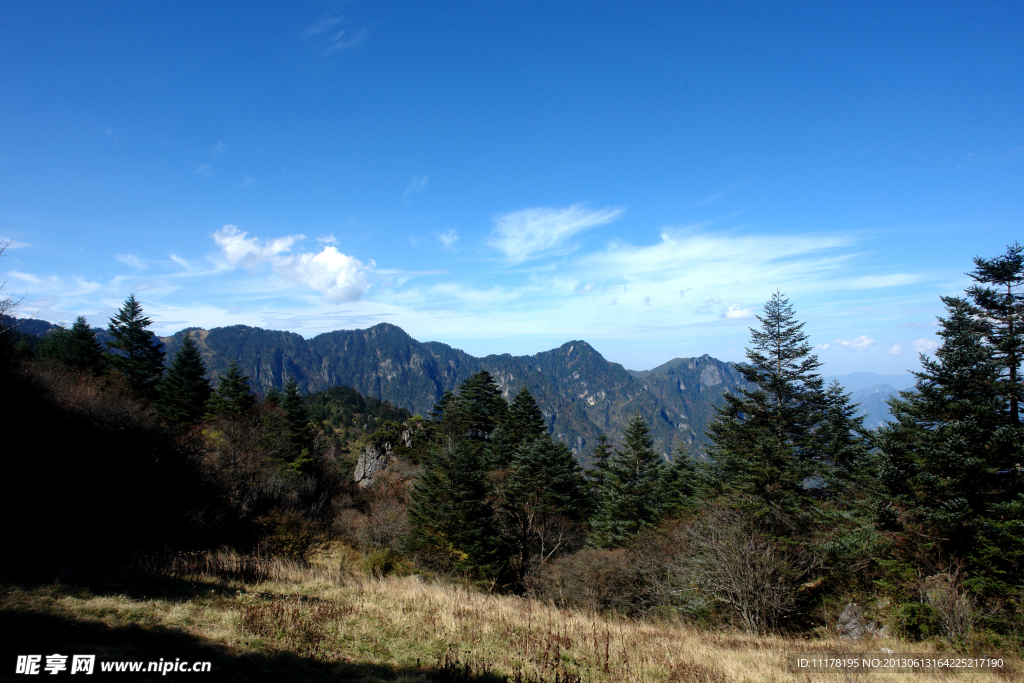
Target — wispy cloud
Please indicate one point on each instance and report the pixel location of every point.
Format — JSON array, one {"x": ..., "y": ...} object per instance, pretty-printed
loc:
[
  {"x": 218, "y": 151},
  {"x": 414, "y": 186},
  {"x": 327, "y": 239},
  {"x": 13, "y": 244},
  {"x": 537, "y": 232},
  {"x": 131, "y": 260},
  {"x": 204, "y": 170},
  {"x": 336, "y": 276},
  {"x": 327, "y": 33},
  {"x": 896, "y": 350},
  {"x": 721, "y": 193},
  {"x": 448, "y": 238}
]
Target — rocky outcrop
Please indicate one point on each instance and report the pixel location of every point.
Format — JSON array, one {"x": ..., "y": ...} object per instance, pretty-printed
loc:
[
  {"x": 376, "y": 458},
  {"x": 853, "y": 625}
]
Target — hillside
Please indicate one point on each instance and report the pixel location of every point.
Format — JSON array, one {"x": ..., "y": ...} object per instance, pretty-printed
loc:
[{"x": 581, "y": 393}]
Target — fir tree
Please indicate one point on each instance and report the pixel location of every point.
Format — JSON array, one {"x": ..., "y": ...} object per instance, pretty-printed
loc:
[
  {"x": 482, "y": 405},
  {"x": 843, "y": 447},
  {"x": 184, "y": 389},
  {"x": 765, "y": 444},
  {"x": 948, "y": 460},
  {"x": 521, "y": 423},
  {"x": 452, "y": 524},
  {"x": 599, "y": 459},
  {"x": 76, "y": 347},
  {"x": 233, "y": 398},
  {"x": 678, "y": 487},
  {"x": 141, "y": 360},
  {"x": 297, "y": 419},
  {"x": 628, "y": 502},
  {"x": 272, "y": 396},
  {"x": 998, "y": 300},
  {"x": 541, "y": 502}
]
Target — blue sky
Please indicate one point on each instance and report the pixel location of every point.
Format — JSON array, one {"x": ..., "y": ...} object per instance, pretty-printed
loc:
[{"x": 508, "y": 176}]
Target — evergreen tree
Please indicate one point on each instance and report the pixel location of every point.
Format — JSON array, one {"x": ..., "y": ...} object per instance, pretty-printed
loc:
[
  {"x": 998, "y": 300},
  {"x": 233, "y": 398},
  {"x": 843, "y": 446},
  {"x": 765, "y": 440},
  {"x": 521, "y": 423},
  {"x": 141, "y": 360},
  {"x": 678, "y": 487},
  {"x": 628, "y": 501},
  {"x": 76, "y": 347},
  {"x": 598, "y": 473},
  {"x": 184, "y": 389},
  {"x": 297, "y": 419},
  {"x": 483, "y": 406},
  {"x": 451, "y": 522},
  {"x": 541, "y": 503},
  {"x": 948, "y": 459},
  {"x": 272, "y": 397}
]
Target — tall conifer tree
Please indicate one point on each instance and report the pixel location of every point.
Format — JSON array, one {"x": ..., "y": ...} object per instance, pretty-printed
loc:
[
  {"x": 141, "y": 360},
  {"x": 232, "y": 398},
  {"x": 765, "y": 443},
  {"x": 76, "y": 347},
  {"x": 184, "y": 389},
  {"x": 629, "y": 501}
]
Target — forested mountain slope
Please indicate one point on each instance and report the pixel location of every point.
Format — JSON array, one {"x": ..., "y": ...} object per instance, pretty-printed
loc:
[{"x": 581, "y": 394}]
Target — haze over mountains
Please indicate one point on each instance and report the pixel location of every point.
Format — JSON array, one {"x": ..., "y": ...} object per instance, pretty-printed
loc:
[{"x": 581, "y": 393}]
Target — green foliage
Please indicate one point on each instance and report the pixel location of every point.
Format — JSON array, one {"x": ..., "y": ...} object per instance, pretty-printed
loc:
[
  {"x": 914, "y": 621},
  {"x": 232, "y": 398},
  {"x": 76, "y": 347},
  {"x": 765, "y": 441},
  {"x": 520, "y": 424},
  {"x": 290, "y": 534},
  {"x": 949, "y": 460},
  {"x": 452, "y": 524},
  {"x": 138, "y": 355},
  {"x": 629, "y": 501},
  {"x": 184, "y": 389},
  {"x": 679, "y": 484},
  {"x": 342, "y": 407}
]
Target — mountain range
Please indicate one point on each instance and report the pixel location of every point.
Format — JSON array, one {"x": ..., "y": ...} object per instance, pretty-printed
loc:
[{"x": 581, "y": 394}]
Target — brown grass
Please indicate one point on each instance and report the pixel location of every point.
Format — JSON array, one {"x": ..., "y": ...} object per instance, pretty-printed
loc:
[{"x": 329, "y": 613}]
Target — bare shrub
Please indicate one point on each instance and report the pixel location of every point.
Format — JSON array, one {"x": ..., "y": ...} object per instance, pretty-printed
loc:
[
  {"x": 954, "y": 608},
  {"x": 739, "y": 565}
]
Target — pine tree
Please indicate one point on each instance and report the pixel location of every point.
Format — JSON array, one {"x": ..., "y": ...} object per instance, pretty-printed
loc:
[
  {"x": 948, "y": 459},
  {"x": 76, "y": 347},
  {"x": 679, "y": 485},
  {"x": 764, "y": 439},
  {"x": 233, "y": 398},
  {"x": 184, "y": 389},
  {"x": 521, "y": 423},
  {"x": 452, "y": 524},
  {"x": 541, "y": 502},
  {"x": 843, "y": 447},
  {"x": 998, "y": 300},
  {"x": 141, "y": 360},
  {"x": 297, "y": 419},
  {"x": 482, "y": 405},
  {"x": 628, "y": 502}
]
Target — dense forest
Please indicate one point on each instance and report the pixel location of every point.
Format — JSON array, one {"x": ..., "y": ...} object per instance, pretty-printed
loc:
[{"x": 798, "y": 512}]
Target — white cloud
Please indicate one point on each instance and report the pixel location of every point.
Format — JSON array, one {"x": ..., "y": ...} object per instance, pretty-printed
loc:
[
  {"x": 414, "y": 186},
  {"x": 218, "y": 151},
  {"x": 12, "y": 244},
  {"x": 647, "y": 301},
  {"x": 924, "y": 345},
  {"x": 709, "y": 305},
  {"x": 535, "y": 232},
  {"x": 335, "y": 275},
  {"x": 825, "y": 346},
  {"x": 180, "y": 261},
  {"x": 327, "y": 239},
  {"x": 737, "y": 312},
  {"x": 861, "y": 343},
  {"x": 327, "y": 34},
  {"x": 895, "y": 351},
  {"x": 204, "y": 170},
  {"x": 246, "y": 182},
  {"x": 131, "y": 260},
  {"x": 448, "y": 238}
]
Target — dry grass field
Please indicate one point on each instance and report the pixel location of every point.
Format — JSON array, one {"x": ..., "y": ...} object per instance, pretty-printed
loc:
[{"x": 263, "y": 620}]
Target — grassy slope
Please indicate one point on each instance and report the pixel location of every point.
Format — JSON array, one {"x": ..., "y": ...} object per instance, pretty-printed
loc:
[{"x": 318, "y": 624}]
